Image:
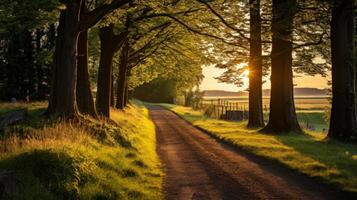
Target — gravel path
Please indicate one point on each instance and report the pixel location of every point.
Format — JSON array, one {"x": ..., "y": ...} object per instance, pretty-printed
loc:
[{"x": 199, "y": 167}]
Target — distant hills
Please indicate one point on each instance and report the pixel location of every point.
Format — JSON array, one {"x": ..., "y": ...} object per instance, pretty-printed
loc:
[{"x": 266, "y": 92}]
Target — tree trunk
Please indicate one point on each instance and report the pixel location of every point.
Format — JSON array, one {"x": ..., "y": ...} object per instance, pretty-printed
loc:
[
  {"x": 343, "y": 124},
  {"x": 40, "y": 74},
  {"x": 255, "y": 67},
  {"x": 126, "y": 95},
  {"x": 84, "y": 94},
  {"x": 63, "y": 92},
  {"x": 121, "y": 82},
  {"x": 112, "y": 97},
  {"x": 29, "y": 58},
  {"x": 282, "y": 116},
  {"x": 109, "y": 44},
  {"x": 104, "y": 71},
  {"x": 126, "y": 92}
]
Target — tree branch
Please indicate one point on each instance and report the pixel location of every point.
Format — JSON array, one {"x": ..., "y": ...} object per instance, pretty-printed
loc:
[
  {"x": 91, "y": 18},
  {"x": 221, "y": 18}
]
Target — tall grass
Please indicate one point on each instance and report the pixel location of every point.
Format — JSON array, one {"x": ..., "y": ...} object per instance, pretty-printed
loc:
[{"x": 88, "y": 160}]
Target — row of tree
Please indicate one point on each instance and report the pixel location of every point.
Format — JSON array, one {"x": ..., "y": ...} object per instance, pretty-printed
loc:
[
  {"x": 121, "y": 44},
  {"x": 117, "y": 45}
]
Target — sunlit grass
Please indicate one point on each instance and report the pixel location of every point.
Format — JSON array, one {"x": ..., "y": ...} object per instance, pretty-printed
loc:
[
  {"x": 311, "y": 153},
  {"x": 89, "y": 161}
]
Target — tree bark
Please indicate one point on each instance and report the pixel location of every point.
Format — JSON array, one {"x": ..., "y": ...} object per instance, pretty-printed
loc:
[
  {"x": 343, "y": 124},
  {"x": 109, "y": 44},
  {"x": 112, "y": 94},
  {"x": 282, "y": 117},
  {"x": 255, "y": 67},
  {"x": 104, "y": 71},
  {"x": 84, "y": 94},
  {"x": 121, "y": 82},
  {"x": 126, "y": 95},
  {"x": 126, "y": 92},
  {"x": 63, "y": 92}
]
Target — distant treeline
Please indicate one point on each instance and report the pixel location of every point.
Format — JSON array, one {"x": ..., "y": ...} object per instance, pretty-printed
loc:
[{"x": 159, "y": 90}]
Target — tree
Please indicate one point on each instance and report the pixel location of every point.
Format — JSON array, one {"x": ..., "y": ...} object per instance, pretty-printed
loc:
[
  {"x": 72, "y": 21},
  {"x": 122, "y": 82},
  {"x": 109, "y": 45},
  {"x": 255, "y": 67},
  {"x": 234, "y": 72},
  {"x": 282, "y": 116},
  {"x": 25, "y": 50},
  {"x": 84, "y": 94},
  {"x": 343, "y": 121},
  {"x": 159, "y": 90}
]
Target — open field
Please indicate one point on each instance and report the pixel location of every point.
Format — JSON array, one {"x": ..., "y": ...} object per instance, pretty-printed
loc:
[
  {"x": 311, "y": 154},
  {"x": 302, "y": 103},
  {"x": 311, "y": 111},
  {"x": 91, "y": 160}
]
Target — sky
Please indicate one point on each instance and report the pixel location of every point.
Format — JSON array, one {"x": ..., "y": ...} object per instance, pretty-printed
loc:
[{"x": 209, "y": 83}]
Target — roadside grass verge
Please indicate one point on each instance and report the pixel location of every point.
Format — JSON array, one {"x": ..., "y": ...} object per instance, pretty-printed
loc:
[
  {"x": 88, "y": 160},
  {"x": 310, "y": 153}
]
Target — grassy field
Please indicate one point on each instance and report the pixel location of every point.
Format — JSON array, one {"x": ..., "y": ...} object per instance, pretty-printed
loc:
[
  {"x": 41, "y": 159},
  {"x": 330, "y": 161},
  {"x": 301, "y": 103}
]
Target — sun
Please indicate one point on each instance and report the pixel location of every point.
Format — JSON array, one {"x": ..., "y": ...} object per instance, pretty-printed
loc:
[{"x": 246, "y": 73}]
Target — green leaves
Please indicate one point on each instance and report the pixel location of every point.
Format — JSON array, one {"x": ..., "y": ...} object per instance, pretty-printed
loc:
[{"x": 27, "y": 14}]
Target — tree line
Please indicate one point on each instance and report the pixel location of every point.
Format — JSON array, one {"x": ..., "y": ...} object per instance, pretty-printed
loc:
[{"x": 127, "y": 43}]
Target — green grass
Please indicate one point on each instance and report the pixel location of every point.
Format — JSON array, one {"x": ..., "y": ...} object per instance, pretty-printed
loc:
[
  {"x": 94, "y": 160},
  {"x": 316, "y": 119},
  {"x": 330, "y": 161},
  {"x": 311, "y": 118}
]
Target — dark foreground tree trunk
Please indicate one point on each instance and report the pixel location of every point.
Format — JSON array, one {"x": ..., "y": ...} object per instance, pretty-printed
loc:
[
  {"x": 255, "y": 67},
  {"x": 121, "y": 82},
  {"x": 63, "y": 92},
  {"x": 282, "y": 116},
  {"x": 343, "y": 124},
  {"x": 84, "y": 94}
]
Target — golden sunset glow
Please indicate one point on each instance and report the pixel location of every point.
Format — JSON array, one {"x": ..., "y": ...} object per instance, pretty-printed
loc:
[
  {"x": 245, "y": 78},
  {"x": 301, "y": 80}
]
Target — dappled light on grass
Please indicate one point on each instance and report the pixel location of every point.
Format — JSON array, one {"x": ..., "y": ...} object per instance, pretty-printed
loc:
[{"x": 309, "y": 153}]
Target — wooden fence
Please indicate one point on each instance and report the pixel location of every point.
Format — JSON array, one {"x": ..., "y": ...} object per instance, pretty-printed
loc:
[{"x": 223, "y": 109}]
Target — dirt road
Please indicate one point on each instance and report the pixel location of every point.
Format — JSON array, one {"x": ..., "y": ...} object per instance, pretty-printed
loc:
[{"x": 199, "y": 167}]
